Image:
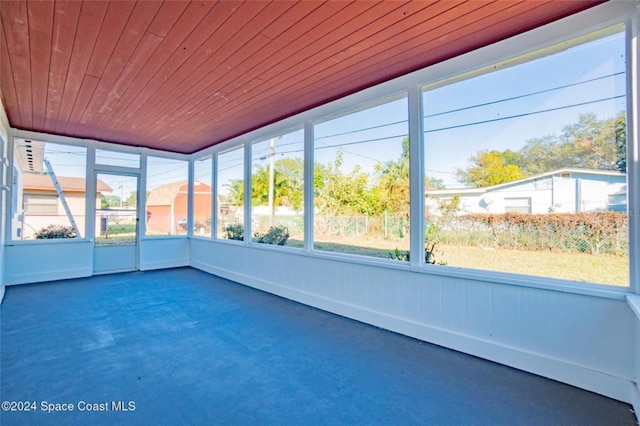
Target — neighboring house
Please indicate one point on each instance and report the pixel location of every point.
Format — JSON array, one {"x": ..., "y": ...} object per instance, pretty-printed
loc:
[
  {"x": 566, "y": 190},
  {"x": 167, "y": 207},
  {"x": 42, "y": 206}
]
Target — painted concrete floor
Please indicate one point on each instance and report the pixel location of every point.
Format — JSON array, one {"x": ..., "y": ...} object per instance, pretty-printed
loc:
[{"x": 182, "y": 347}]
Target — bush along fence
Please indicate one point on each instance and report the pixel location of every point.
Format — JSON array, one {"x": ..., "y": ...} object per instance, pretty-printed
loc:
[
  {"x": 594, "y": 232},
  {"x": 276, "y": 235}
]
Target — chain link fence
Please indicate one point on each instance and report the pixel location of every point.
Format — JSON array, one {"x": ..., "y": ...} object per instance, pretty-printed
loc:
[
  {"x": 386, "y": 226},
  {"x": 116, "y": 227}
]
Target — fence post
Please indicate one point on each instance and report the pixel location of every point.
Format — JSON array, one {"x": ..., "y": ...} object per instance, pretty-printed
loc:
[{"x": 385, "y": 225}]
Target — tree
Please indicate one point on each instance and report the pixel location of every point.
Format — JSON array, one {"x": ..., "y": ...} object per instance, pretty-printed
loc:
[
  {"x": 491, "y": 168},
  {"x": 288, "y": 185},
  {"x": 591, "y": 143},
  {"x": 109, "y": 201},
  {"x": 620, "y": 127},
  {"x": 339, "y": 193},
  {"x": 131, "y": 199},
  {"x": 433, "y": 183},
  {"x": 393, "y": 184},
  {"x": 289, "y": 182}
]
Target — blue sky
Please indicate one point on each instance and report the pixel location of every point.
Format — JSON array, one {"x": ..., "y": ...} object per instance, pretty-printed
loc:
[{"x": 447, "y": 150}]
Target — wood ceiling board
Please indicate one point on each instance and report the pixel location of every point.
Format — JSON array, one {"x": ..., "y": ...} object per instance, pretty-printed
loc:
[
  {"x": 7, "y": 88},
  {"x": 40, "y": 32},
  {"x": 230, "y": 56},
  {"x": 249, "y": 63},
  {"x": 324, "y": 38},
  {"x": 255, "y": 62},
  {"x": 16, "y": 31},
  {"x": 394, "y": 22},
  {"x": 395, "y": 56},
  {"x": 230, "y": 37},
  {"x": 104, "y": 98},
  {"x": 167, "y": 16},
  {"x": 258, "y": 65},
  {"x": 156, "y": 78},
  {"x": 89, "y": 24},
  {"x": 153, "y": 69},
  {"x": 163, "y": 22},
  {"x": 344, "y": 32},
  {"x": 87, "y": 89},
  {"x": 323, "y": 70},
  {"x": 65, "y": 22},
  {"x": 142, "y": 91},
  {"x": 297, "y": 81},
  {"x": 381, "y": 69},
  {"x": 462, "y": 40},
  {"x": 144, "y": 51},
  {"x": 294, "y": 16},
  {"x": 194, "y": 45},
  {"x": 114, "y": 23}
]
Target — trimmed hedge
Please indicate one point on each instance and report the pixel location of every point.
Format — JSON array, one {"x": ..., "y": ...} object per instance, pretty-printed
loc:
[{"x": 594, "y": 232}]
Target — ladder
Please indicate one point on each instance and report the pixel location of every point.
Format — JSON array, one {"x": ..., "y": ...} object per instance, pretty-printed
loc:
[{"x": 61, "y": 196}]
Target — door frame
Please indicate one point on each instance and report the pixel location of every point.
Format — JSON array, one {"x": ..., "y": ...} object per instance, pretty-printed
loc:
[{"x": 119, "y": 171}]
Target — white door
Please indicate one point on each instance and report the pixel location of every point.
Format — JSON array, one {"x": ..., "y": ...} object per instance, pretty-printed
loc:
[{"x": 116, "y": 227}]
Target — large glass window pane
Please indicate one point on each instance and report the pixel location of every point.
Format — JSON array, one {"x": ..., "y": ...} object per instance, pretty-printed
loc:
[
  {"x": 525, "y": 166},
  {"x": 202, "y": 197},
  {"x": 49, "y": 184},
  {"x": 361, "y": 182},
  {"x": 167, "y": 190},
  {"x": 230, "y": 192},
  {"x": 277, "y": 190}
]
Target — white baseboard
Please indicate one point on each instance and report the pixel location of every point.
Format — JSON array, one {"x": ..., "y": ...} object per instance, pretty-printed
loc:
[
  {"x": 635, "y": 400},
  {"x": 618, "y": 388},
  {"x": 164, "y": 264},
  {"x": 62, "y": 274}
]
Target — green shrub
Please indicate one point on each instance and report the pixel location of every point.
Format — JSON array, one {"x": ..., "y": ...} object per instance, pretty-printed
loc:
[
  {"x": 234, "y": 231},
  {"x": 429, "y": 254},
  {"x": 584, "y": 232},
  {"x": 55, "y": 231},
  {"x": 277, "y": 235},
  {"x": 402, "y": 255}
]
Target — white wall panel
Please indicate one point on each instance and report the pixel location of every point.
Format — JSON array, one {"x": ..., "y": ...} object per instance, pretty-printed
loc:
[
  {"x": 158, "y": 253},
  {"x": 114, "y": 258},
  {"x": 634, "y": 304},
  {"x": 2, "y": 239},
  {"x": 579, "y": 339},
  {"x": 47, "y": 261}
]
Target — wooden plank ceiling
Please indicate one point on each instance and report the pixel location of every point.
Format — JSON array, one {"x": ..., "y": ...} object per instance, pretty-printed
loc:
[{"x": 181, "y": 76}]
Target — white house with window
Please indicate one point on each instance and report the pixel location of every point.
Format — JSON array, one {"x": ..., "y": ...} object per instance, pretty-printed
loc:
[
  {"x": 43, "y": 207},
  {"x": 565, "y": 190}
]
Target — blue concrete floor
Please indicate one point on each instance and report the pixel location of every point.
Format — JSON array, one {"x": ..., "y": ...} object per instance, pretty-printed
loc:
[{"x": 186, "y": 347}]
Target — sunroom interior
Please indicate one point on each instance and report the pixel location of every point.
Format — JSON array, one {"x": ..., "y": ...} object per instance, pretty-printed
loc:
[{"x": 465, "y": 174}]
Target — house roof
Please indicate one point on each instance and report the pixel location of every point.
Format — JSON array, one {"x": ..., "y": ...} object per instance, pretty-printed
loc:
[
  {"x": 572, "y": 170},
  {"x": 165, "y": 195},
  {"x": 37, "y": 182},
  {"x": 181, "y": 76}
]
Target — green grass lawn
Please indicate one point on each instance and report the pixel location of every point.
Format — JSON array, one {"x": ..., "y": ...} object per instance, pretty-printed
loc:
[
  {"x": 121, "y": 229},
  {"x": 602, "y": 269}
]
